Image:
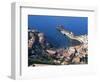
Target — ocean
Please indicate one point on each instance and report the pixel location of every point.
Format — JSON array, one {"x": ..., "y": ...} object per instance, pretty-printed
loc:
[{"x": 48, "y": 24}]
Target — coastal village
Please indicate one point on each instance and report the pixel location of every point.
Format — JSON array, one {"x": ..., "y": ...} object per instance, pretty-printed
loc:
[{"x": 41, "y": 51}]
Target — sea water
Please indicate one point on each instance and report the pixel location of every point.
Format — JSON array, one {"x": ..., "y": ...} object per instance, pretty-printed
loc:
[{"x": 48, "y": 24}]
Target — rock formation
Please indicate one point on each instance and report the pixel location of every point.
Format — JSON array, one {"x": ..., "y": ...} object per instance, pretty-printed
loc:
[{"x": 40, "y": 51}]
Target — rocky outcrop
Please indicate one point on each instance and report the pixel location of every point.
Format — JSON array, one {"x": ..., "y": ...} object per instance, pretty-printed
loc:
[
  {"x": 81, "y": 38},
  {"x": 40, "y": 51}
]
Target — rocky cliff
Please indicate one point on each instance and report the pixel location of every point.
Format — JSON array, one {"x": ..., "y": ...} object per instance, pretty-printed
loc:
[{"x": 41, "y": 51}]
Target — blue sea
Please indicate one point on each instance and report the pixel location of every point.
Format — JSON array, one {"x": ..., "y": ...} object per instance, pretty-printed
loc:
[{"x": 48, "y": 24}]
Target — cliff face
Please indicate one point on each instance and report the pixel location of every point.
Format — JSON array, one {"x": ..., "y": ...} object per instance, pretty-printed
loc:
[{"x": 40, "y": 51}]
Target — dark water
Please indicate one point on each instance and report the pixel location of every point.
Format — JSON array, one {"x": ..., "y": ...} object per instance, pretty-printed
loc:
[{"x": 48, "y": 24}]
